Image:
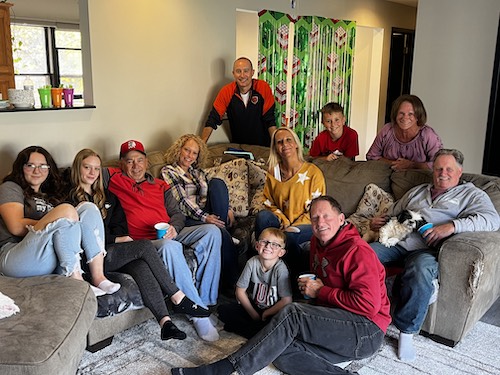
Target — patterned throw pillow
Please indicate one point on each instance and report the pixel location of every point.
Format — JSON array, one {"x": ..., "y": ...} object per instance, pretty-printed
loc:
[
  {"x": 235, "y": 174},
  {"x": 375, "y": 202}
]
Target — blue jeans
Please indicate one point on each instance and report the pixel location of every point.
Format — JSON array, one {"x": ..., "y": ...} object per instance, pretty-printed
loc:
[
  {"x": 218, "y": 204},
  {"x": 295, "y": 257},
  {"x": 307, "y": 339},
  {"x": 205, "y": 240},
  {"x": 229, "y": 254},
  {"x": 218, "y": 199},
  {"x": 415, "y": 288},
  {"x": 57, "y": 247}
]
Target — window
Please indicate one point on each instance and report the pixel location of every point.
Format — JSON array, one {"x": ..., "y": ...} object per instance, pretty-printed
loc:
[{"x": 49, "y": 56}]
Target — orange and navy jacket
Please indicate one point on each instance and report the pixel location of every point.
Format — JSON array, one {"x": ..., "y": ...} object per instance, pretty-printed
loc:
[{"x": 249, "y": 124}]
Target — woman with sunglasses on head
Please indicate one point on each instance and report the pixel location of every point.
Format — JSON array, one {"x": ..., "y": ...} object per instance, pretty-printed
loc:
[
  {"x": 40, "y": 235},
  {"x": 138, "y": 258},
  {"x": 291, "y": 185}
]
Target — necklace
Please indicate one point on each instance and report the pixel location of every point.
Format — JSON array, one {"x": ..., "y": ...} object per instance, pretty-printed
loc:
[{"x": 287, "y": 174}]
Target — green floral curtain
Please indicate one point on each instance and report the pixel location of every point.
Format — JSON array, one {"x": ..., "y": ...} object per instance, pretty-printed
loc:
[{"x": 321, "y": 68}]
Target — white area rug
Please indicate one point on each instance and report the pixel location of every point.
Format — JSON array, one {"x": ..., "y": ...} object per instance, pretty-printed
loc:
[{"x": 140, "y": 351}]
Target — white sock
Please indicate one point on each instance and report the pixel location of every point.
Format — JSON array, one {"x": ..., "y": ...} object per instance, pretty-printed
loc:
[
  {"x": 406, "y": 351},
  {"x": 219, "y": 326},
  {"x": 98, "y": 292},
  {"x": 205, "y": 329},
  {"x": 109, "y": 287}
]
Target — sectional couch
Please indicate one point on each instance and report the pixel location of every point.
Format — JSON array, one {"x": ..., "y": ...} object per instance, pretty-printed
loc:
[
  {"x": 60, "y": 317},
  {"x": 469, "y": 263}
]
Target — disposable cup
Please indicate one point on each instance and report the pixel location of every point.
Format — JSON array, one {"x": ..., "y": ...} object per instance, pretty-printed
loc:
[
  {"x": 45, "y": 97},
  {"x": 56, "y": 94},
  {"x": 68, "y": 97},
  {"x": 161, "y": 229},
  {"x": 424, "y": 227},
  {"x": 311, "y": 276}
]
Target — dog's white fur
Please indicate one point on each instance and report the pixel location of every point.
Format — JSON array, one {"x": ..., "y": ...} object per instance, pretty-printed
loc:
[{"x": 394, "y": 231}]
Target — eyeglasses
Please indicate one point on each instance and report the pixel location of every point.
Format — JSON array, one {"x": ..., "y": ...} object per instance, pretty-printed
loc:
[
  {"x": 273, "y": 245},
  {"x": 31, "y": 167}
]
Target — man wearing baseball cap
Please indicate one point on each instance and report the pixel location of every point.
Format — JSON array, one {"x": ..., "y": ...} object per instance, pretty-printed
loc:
[
  {"x": 146, "y": 201},
  {"x": 131, "y": 146}
]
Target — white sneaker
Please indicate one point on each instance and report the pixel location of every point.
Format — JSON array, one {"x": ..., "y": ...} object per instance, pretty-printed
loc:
[{"x": 434, "y": 295}]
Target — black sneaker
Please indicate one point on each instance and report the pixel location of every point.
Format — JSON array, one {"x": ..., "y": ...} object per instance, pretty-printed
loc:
[
  {"x": 186, "y": 306},
  {"x": 170, "y": 331}
]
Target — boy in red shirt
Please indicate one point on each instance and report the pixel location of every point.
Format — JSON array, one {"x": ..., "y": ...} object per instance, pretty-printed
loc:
[{"x": 338, "y": 139}]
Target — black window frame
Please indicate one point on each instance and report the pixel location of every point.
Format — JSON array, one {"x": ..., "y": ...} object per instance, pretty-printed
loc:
[{"x": 52, "y": 56}]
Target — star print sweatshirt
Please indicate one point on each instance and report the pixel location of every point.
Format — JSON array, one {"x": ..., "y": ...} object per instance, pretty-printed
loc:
[{"x": 289, "y": 200}]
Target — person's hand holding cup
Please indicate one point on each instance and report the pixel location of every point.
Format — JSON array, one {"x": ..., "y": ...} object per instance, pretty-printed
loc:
[
  {"x": 424, "y": 229},
  {"x": 309, "y": 285},
  {"x": 161, "y": 230}
]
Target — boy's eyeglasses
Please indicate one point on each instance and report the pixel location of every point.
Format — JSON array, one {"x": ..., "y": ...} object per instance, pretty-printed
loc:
[
  {"x": 273, "y": 245},
  {"x": 42, "y": 167}
]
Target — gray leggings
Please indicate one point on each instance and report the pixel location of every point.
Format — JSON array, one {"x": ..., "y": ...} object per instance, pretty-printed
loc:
[{"x": 140, "y": 260}]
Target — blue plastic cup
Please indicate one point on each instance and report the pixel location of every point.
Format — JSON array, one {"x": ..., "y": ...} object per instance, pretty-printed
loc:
[
  {"x": 161, "y": 229},
  {"x": 424, "y": 227},
  {"x": 311, "y": 276}
]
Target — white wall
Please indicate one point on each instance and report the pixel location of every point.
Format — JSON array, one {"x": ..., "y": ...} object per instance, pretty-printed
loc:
[
  {"x": 157, "y": 66},
  {"x": 366, "y": 86},
  {"x": 452, "y": 72}
]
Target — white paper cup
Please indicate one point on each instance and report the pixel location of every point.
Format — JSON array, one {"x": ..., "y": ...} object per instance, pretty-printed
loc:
[{"x": 161, "y": 229}]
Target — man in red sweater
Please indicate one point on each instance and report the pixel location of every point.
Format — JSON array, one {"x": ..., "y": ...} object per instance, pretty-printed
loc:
[{"x": 347, "y": 321}]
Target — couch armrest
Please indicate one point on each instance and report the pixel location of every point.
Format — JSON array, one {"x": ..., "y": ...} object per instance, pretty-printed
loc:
[
  {"x": 472, "y": 261},
  {"x": 469, "y": 273}
]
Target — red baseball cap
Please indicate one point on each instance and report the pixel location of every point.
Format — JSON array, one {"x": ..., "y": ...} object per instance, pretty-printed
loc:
[{"x": 131, "y": 146}]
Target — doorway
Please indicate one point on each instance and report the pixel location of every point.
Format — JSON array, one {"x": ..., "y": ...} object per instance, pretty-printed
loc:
[
  {"x": 400, "y": 66},
  {"x": 491, "y": 149}
]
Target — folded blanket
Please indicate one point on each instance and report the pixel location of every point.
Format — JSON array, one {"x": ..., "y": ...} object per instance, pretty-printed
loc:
[{"x": 7, "y": 306}]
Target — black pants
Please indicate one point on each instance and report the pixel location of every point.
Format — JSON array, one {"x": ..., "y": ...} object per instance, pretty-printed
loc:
[
  {"x": 140, "y": 260},
  {"x": 237, "y": 320}
]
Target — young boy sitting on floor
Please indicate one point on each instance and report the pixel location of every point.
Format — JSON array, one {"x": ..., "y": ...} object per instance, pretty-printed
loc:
[
  {"x": 337, "y": 139},
  {"x": 267, "y": 281}
]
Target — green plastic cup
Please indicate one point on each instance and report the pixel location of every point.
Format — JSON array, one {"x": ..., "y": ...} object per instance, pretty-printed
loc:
[{"x": 45, "y": 97}]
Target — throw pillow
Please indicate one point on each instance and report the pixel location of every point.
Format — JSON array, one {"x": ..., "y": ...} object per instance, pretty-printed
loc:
[
  {"x": 235, "y": 174},
  {"x": 375, "y": 202}
]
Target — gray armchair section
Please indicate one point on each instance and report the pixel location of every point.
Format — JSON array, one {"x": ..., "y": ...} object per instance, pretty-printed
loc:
[
  {"x": 469, "y": 277},
  {"x": 48, "y": 335}
]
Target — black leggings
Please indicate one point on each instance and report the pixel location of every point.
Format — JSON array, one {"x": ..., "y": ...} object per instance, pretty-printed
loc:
[{"x": 140, "y": 260}]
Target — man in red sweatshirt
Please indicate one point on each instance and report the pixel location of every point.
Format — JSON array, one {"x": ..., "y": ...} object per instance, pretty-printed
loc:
[{"x": 347, "y": 321}]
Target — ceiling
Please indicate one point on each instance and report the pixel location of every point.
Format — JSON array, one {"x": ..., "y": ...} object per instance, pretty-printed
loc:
[{"x": 411, "y": 3}]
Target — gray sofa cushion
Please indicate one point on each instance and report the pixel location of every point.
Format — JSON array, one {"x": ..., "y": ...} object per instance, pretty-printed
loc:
[
  {"x": 346, "y": 179},
  {"x": 403, "y": 181},
  {"x": 48, "y": 335}
]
